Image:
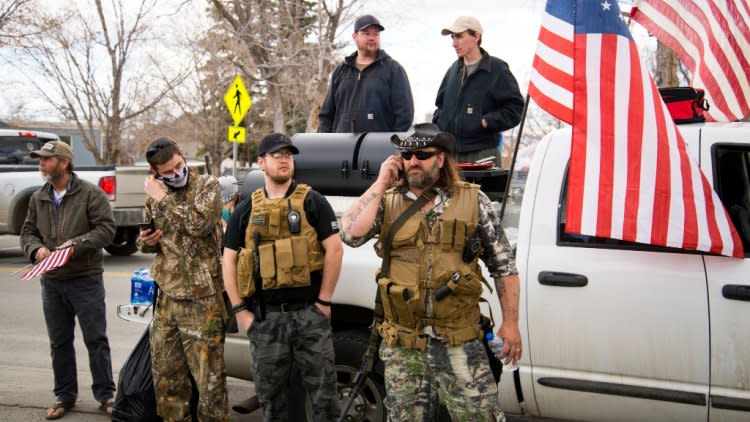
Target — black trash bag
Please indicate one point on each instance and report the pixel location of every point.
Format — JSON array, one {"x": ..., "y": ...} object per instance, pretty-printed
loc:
[{"x": 136, "y": 400}]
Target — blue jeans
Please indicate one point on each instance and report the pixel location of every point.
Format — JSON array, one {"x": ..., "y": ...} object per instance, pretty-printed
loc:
[{"x": 63, "y": 301}]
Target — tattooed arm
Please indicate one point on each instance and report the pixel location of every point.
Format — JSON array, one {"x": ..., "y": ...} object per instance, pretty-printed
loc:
[
  {"x": 498, "y": 256},
  {"x": 359, "y": 220}
]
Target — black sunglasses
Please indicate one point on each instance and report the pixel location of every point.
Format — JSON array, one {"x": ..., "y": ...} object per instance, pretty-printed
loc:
[
  {"x": 421, "y": 155},
  {"x": 157, "y": 146}
]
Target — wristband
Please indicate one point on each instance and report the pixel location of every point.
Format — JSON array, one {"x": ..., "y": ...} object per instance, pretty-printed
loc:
[
  {"x": 241, "y": 307},
  {"x": 323, "y": 302}
]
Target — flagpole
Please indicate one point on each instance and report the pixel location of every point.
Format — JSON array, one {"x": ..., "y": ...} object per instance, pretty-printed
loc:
[{"x": 513, "y": 160}]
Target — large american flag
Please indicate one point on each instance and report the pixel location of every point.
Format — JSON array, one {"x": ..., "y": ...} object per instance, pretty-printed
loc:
[
  {"x": 712, "y": 39},
  {"x": 57, "y": 259},
  {"x": 630, "y": 176}
]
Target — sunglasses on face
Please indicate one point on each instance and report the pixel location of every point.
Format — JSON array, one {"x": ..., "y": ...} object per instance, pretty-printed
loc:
[
  {"x": 157, "y": 146},
  {"x": 421, "y": 155}
]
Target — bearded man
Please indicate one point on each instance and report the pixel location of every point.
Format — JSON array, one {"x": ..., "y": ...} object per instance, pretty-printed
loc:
[
  {"x": 68, "y": 212},
  {"x": 369, "y": 91},
  {"x": 282, "y": 258},
  {"x": 425, "y": 216}
]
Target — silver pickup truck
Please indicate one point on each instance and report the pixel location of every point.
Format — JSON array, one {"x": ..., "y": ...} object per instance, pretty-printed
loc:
[{"x": 20, "y": 177}]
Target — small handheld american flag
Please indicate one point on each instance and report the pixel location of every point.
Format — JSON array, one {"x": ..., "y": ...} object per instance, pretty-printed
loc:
[{"x": 57, "y": 259}]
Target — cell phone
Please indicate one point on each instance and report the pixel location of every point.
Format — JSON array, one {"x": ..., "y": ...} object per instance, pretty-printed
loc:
[{"x": 147, "y": 226}]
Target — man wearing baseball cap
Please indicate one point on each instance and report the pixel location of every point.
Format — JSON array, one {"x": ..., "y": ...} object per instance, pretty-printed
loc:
[
  {"x": 479, "y": 97},
  {"x": 70, "y": 212},
  {"x": 282, "y": 258},
  {"x": 369, "y": 91}
]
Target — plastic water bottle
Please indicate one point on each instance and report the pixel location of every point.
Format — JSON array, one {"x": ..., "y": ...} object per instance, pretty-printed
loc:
[
  {"x": 141, "y": 287},
  {"x": 496, "y": 344}
]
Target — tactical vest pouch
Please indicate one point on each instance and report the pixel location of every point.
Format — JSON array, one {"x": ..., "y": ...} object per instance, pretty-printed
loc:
[
  {"x": 407, "y": 234},
  {"x": 456, "y": 307},
  {"x": 398, "y": 301},
  {"x": 245, "y": 283},
  {"x": 284, "y": 262},
  {"x": 267, "y": 266},
  {"x": 301, "y": 267},
  {"x": 274, "y": 222}
]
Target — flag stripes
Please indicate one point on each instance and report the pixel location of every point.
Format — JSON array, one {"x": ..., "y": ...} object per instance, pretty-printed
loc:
[
  {"x": 712, "y": 39},
  {"x": 57, "y": 259},
  {"x": 551, "y": 80},
  {"x": 630, "y": 176}
]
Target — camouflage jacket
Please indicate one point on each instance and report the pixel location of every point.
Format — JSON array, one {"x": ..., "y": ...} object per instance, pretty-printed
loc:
[{"x": 188, "y": 255}]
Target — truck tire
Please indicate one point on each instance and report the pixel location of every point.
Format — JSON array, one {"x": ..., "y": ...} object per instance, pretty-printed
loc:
[
  {"x": 124, "y": 242},
  {"x": 349, "y": 346}
]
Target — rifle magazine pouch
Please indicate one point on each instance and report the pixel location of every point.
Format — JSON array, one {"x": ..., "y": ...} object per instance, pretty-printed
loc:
[
  {"x": 267, "y": 266},
  {"x": 300, "y": 264},
  {"x": 284, "y": 261},
  {"x": 245, "y": 283}
]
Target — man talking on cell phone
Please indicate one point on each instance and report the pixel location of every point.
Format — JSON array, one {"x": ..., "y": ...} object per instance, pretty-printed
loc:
[
  {"x": 187, "y": 336},
  {"x": 432, "y": 343}
]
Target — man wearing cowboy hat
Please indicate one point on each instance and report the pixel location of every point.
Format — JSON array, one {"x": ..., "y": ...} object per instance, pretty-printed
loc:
[{"x": 432, "y": 338}]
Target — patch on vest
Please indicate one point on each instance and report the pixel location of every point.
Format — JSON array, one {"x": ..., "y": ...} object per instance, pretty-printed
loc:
[{"x": 259, "y": 219}]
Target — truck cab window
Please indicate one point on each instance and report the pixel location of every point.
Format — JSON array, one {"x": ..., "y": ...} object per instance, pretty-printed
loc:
[
  {"x": 584, "y": 241},
  {"x": 732, "y": 182},
  {"x": 16, "y": 149}
]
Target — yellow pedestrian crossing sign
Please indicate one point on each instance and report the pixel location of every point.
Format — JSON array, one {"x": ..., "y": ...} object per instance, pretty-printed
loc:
[
  {"x": 237, "y": 99},
  {"x": 236, "y": 134}
]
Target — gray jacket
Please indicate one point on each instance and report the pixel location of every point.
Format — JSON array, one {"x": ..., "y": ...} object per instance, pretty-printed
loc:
[{"x": 84, "y": 216}]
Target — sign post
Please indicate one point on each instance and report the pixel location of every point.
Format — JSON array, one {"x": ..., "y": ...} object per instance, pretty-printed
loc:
[{"x": 238, "y": 102}]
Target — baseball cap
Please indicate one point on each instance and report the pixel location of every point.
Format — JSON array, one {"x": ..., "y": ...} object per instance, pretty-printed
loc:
[
  {"x": 228, "y": 186},
  {"x": 53, "y": 149},
  {"x": 425, "y": 135},
  {"x": 274, "y": 142},
  {"x": 367, "y": 20},
  {"x": 463, "y": 23}
]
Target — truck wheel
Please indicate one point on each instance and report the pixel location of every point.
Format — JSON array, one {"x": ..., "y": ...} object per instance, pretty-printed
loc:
[
  {"x": 349, "y": 346},
  {"x": 124, "y": 242}
]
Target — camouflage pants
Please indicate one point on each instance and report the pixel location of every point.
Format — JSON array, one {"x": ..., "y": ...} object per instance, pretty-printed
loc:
[
  {"x": 416, "y": 381},
  {"x": 301, "y": 338},
  {"x": 187, "y": 337}
]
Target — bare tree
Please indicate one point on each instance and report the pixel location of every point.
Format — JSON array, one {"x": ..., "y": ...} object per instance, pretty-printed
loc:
[
  {"x": 12, "y": 16},
  {"x": 288, "y": 48},
  {"x": 87, "y": 62}
]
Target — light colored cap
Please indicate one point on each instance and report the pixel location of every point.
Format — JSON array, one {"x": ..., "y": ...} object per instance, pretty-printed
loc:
[
  {"x": 463, "y": 23},
  {"x": 228, "y": 187},
  {"x": 54, "y": 149}
]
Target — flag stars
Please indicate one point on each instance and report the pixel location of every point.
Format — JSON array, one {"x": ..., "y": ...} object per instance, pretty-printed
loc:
[{"x": 606, "y": 5}]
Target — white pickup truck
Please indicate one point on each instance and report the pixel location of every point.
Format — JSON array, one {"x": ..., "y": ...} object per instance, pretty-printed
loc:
[{"x": 612, "y": 331}]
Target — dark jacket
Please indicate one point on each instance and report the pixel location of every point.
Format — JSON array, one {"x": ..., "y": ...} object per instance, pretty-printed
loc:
[
  {"x": 378, "y": 99},
  {"x": 84, "y": 216},
  {"x": 490, "y": 92}
]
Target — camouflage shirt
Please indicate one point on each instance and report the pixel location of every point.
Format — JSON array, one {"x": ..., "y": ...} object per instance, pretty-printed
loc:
[
  {"x": 497, "y": 256},
  {"x": 188, "y": 255}
]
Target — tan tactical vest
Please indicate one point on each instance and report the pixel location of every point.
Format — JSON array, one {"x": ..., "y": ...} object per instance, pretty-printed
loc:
[
  {"x": 408, "y": 293},
  {"x": 286, "y": 259}
]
